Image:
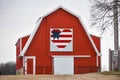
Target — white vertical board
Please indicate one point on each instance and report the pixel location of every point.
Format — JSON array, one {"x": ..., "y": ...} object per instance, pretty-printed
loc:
[{"x": 63, "y": 65}]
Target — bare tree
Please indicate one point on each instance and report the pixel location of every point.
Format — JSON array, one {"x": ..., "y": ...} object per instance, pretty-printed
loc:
[
  {"x": 105, "y": 15},
  {"x": 102, "y": 14}
]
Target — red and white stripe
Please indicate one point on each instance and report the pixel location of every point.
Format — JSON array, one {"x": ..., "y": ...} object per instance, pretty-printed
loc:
[{"x": 64, "y": 39}]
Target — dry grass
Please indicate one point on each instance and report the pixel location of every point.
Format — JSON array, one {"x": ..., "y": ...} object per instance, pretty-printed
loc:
[
  {"x": 111, "y": 73},
  {"x": 90, "y": 76}
]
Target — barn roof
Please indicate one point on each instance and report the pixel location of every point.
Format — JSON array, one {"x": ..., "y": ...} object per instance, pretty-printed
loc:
[{"x": 40, "y": 20}]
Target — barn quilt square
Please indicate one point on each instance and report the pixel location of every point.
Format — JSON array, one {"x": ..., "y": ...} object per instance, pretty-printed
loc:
[{"x": 61, "y": 39}]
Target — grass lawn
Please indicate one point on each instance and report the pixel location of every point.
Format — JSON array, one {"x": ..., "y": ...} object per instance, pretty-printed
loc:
[{"x": 111, "y": 73}]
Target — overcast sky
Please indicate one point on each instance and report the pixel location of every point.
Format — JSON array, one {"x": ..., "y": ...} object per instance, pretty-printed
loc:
[{"x": 18, "y": 18}]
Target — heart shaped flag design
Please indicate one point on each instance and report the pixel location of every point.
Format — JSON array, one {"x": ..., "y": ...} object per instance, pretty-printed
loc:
[{"x": 61, "y": 37}]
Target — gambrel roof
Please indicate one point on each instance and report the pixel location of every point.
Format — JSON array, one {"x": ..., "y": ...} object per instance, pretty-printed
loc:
[{"x": 39, "y": 22}]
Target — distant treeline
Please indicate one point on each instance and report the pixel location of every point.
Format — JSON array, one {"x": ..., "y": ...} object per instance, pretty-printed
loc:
[{"x": 8, "y": 68}]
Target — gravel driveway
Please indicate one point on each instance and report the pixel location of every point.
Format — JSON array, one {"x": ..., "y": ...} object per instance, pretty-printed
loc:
[{"x": 89, "y": 76}]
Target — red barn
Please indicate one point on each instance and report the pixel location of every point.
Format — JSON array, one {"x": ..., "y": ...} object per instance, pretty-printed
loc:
[{"x": 59, "y": 44}]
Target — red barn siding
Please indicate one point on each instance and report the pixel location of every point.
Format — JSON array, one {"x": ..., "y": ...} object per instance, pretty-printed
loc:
[
  {"x": 18, "y": 60},
  {"x": 20, "y": 45},
  {"x": 96, "y": 41},
  {"x": 30, "y": 66},
  {"x": 24, "y": 40},
  {"x": 40, "y": 44},
  {"x": 17, "y": 53},
  {"x": 99, "y": 61},
  {"x": 85, "y": 69}
]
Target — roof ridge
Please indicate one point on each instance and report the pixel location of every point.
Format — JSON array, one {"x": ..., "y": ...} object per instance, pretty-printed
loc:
[{"x": 39, "y": 21}]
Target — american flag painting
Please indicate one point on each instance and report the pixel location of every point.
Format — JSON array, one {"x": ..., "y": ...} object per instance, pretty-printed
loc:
[{"x": 61, "y": 39}]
